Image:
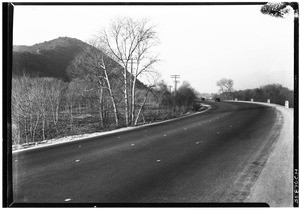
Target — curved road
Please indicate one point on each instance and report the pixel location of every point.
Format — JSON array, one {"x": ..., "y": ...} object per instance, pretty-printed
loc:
[{"x": 214, "y": 156}]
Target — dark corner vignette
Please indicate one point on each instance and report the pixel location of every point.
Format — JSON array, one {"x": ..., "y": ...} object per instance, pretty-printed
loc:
[
  {"x": 7, "y": 29},
  {"x": 296, "y": 110}
]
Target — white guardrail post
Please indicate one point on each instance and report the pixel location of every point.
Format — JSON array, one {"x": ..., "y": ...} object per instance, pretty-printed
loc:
[
  {"x": 236, "y": 99},
  {"x": 286, "y": 104},
  {"x": 268, "y": 101},
  {"x": 251, "y": 99}
]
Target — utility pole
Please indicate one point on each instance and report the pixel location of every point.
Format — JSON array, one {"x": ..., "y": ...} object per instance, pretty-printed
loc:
[
  {"x": 175, "y": 81},
  {"x": 170, "y": 86}
]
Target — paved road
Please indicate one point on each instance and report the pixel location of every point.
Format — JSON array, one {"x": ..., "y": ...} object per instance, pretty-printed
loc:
[{"x": 215, "y": 156}]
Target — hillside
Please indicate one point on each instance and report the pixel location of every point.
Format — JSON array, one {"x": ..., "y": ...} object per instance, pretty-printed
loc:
[
  {"x": 47, "y": 59},
  {"x": 50, "y": 58}
]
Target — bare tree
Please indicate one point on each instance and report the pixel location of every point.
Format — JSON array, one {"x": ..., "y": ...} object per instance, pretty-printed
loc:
[
  {"x": 72, "y": 94},
  {"x": 54, "y": 88},
  {"x": 26, "y": 113},
  {"x": 140, "y": 110},
  {"x": 93, "y": 65},
  {"x": 39, "y": 90},
  {"x": 225, "y": 88},
  {"x": 19, "y": 112},
  {"x": 225, "y": 85},
  {"x": 153, "y": 81},
  {"x": 130, "y": 42}
]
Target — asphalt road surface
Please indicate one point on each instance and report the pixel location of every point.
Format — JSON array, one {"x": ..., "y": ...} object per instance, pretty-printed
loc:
[{"x": 214, "y": 156}]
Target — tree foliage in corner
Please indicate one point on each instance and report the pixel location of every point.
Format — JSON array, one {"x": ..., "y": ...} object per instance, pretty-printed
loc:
[{"x": 279, "y": 9}]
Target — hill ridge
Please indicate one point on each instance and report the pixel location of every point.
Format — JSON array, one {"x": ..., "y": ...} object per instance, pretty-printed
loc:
[
  {"x": 47, "y": 44},
  {"x": 51, "y": 58},
  {"x": 47, "y": 59}
]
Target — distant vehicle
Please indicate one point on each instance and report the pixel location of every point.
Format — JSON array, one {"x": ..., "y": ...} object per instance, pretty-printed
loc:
[
  {"x": 217, "y": 99},
  {"x": 202, "y": 99}
]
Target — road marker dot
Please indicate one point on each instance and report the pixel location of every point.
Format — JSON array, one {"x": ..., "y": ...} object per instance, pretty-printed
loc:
[
  {"x": 68, "y": 199},
  {"x": 16, "y": 160},
  {"x": 197, "y": 142},
  {"x": 132, "y": 145},
  {"x": 77, "y": 160},
  {"x": 79, "y": 146},
  {"x": 184, "y": 128},
  {"x": 165, "y": 135},
  {"x": 158, "y": 160},
  {"x": 119, "y": 137},
  {"x": 218, "y": 132}
]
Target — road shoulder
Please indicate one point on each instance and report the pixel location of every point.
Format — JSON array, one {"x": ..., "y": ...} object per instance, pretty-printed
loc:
[{"x": 274, "y": 185}]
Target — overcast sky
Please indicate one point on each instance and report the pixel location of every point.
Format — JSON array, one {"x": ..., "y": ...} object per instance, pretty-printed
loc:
[{"x": 200, "y": 43}]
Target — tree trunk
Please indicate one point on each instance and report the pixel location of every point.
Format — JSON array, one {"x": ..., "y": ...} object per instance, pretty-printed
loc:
[
  {"x": 19, "y": 132},
  {"x": 112, "y": 99},
  {"x": 71, "y": 116},
  {"x": 133, "y": 101},
  {"x": 56, "y": 117},
  {"x": 125, "y": 96},
  {"x": 144, "y": 121},
  {"x": 31, "y": 126},
  {"x": 54, "y": 112},
  {"x": 139, "y": 112},
  {"x": 19, "y": 129},
  {"x": 100, "y": 98},
  {"x": 79, "y": 107},
  {"x": 130, "y": 92},
  {"x": 35, "y": 127},
  {"x": 44, "y": 119},
  {"x": 25, "y": 130}
]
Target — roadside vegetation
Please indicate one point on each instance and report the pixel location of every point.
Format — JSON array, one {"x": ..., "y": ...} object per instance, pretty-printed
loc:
[
  {"x": 46, "y": 108},
  {"x": 103, "y": 90},
  {"x": 275, "y": 92}
]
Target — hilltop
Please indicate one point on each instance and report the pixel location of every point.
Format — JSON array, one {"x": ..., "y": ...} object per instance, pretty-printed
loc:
[
  {"x": 52, "y": 58},
  {"x": 47, "y": 59}
]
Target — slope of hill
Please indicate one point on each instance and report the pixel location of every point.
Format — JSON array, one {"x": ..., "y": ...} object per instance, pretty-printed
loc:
[
  {"x": 52, "y": 58},
  {"x": 48, "y": 59}
]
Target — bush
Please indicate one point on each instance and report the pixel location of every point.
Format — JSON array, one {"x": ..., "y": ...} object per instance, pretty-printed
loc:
[{"x": 275, "y": 92}]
